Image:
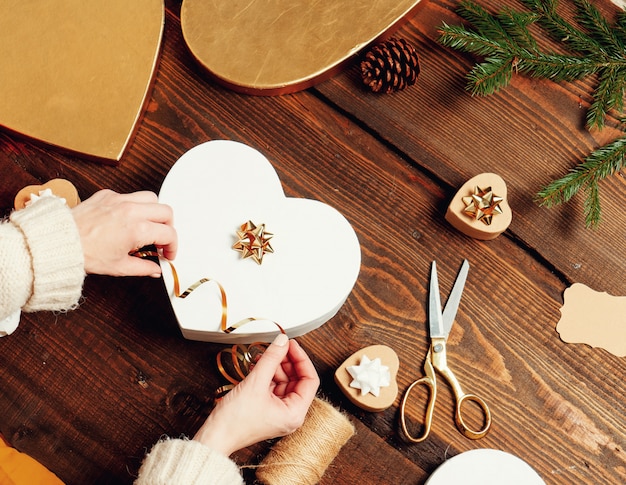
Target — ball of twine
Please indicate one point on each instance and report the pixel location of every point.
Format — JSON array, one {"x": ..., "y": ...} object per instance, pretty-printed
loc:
[{"x": 302, "y": 457}]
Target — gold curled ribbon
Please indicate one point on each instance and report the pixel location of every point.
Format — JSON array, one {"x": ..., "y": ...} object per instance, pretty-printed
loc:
[
  {"x": 178, "y": 294},
  {"x": 243, "y": 357},
  {"x": 242, "y": 360}
]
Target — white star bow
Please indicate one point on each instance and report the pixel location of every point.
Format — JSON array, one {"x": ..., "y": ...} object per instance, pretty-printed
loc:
[{"x": 369, "y": 376}]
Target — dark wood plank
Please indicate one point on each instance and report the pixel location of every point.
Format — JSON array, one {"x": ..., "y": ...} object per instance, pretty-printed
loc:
[
  {"x": 530, "y": 134},
  {"x": 13, "y": 179}
]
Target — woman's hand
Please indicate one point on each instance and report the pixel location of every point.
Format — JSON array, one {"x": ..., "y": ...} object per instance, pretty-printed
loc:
[
  {"x": 271, "y": 401},
  {"x": 111, "y": 225}
]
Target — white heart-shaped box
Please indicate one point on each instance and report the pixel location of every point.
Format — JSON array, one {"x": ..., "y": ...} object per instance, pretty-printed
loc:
[{"x": 213, "y": 189}]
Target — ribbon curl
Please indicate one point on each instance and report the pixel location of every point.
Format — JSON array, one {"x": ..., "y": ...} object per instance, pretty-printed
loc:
[
  {"x": 178, "y": 294},
  {"x": 243, "y": 358}
]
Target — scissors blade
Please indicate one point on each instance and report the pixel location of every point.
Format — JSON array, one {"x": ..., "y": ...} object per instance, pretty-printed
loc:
[
  {"x": 435, "y": 318},
  {"x": 452, "y": 305}
]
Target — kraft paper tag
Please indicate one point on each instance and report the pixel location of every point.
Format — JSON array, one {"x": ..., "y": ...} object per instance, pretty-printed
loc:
[{"x": 593, "y": 318}]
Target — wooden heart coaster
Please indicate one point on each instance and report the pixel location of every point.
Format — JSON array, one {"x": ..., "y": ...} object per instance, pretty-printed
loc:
[
  {"x": 369, "y": 401},
  {"x": 59, "y": 187},
  {"x": 480, "y": 208},
  {"x": 75, "y": 74},
  {"x": 269, "y": 48}
]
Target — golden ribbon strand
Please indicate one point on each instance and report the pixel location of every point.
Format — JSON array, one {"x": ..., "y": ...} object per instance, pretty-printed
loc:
[
  {"x": 194, "y": 286},
  {"x": 241, "y": 356}
]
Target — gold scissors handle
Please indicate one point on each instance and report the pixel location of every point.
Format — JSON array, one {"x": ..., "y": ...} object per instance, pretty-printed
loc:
[
  {"x": 430, "y": 383},
  {"x": 436, "y": 359},
  {"x": 439, "y": 362},
  {"x": 460, "y": 423}
]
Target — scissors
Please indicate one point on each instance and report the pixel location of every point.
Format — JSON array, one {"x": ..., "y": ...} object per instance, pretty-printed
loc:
[{"x": 440, "y": 325}]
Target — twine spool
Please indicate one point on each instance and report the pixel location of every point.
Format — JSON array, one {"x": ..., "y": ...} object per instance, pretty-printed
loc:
[{"x": 302, "y": 457}]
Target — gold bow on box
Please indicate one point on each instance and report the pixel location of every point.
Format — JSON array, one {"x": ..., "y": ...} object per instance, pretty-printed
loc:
[{"x": 253, "y": 241}]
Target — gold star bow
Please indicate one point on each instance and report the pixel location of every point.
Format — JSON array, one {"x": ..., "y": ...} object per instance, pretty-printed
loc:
[
  {"x": 483, "y": 204},
  {"x": 253, "y": 241}
]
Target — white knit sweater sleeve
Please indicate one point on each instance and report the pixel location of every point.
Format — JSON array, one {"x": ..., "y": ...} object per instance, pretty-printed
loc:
[
  {"x": 41, "y": 259},
  {"x": 178, "y": 461}
]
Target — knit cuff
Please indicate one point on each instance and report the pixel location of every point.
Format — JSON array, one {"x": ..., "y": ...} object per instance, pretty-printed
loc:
[
  {"x": 175, "y": 461},
  {"x": 56, "y": 253}
]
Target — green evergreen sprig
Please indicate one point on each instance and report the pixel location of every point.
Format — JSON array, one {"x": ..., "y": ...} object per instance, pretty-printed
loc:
[
  {"x": 602, "y": 163},
  {"x": 592, "y": 46}
]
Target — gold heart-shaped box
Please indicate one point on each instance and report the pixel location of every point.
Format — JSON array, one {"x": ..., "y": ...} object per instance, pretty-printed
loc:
[
  {"x": 75, "y": 74},
  {"x": 281, "y": 47}
]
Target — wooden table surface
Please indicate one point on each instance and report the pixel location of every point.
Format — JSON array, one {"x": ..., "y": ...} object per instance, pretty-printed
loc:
[{"x": 87, "y": 392}]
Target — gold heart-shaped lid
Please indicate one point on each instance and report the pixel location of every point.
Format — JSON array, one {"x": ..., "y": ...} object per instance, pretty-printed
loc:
[
  {"x": 281, "y": 47},
  {"x": 75, "y": 74}
]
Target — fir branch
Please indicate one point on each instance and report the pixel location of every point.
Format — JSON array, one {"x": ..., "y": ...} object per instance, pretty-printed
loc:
[
  {"x": 608, "y": 95},
  {"x": 557, "y": 67},
  {"x": 507, "y": 36},
  {"x": 484, "y": 23},
  {"x": 595, "y": 47},
  {"x": 602, "y": 163},
  {"x": 621, "y": 25},
  {"x": 590, "y": 18},
  {"x": 591, "y": 206},
  {"x": 516, "y": 26},
  {"x": 458, "y": 38},
  {"x": 561, "y": 30},
  {"x": 490, "y": 75}
]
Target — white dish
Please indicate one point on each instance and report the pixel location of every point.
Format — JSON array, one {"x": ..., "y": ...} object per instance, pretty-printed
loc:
[{"x": 485, "y": 467}]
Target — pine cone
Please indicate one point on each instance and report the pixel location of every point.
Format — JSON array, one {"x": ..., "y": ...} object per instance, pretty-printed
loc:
[{"x": 390, "y": 66}]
